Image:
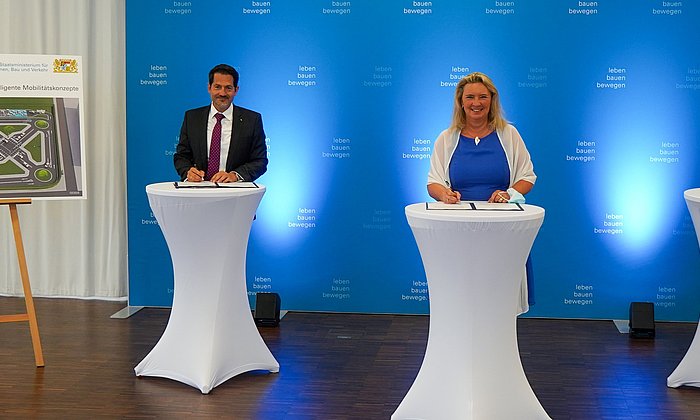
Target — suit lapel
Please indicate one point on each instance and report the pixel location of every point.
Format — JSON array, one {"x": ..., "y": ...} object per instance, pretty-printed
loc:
[
  {"x": 235, "y": 135},
  {"x": 202, "y": 120}
]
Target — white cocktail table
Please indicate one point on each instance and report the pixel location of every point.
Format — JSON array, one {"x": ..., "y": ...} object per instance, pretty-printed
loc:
[
  {"x": 211, "y": 335},
  {"x": 474, "y": 261}
]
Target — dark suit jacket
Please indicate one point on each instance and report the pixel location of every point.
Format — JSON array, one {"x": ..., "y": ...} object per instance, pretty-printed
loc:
[{"x": 247, "y": 153}]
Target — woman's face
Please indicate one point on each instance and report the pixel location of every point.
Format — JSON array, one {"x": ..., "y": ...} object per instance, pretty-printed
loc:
[{"x": 476, "y": 100}]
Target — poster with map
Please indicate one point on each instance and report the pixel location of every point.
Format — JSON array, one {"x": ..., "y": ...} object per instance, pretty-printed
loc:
[{"x": 41, "y": 127}]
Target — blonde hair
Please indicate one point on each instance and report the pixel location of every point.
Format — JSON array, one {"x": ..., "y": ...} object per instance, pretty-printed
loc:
[{"x": 496, "y": 119}]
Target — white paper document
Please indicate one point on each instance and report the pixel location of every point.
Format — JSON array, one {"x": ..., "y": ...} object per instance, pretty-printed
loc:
[
  {"x": 239, "y": 184},
  {"x": 200, "y": 184},
  {"x": 474, "y": 205},
  {"x": 209, "y": 184}
]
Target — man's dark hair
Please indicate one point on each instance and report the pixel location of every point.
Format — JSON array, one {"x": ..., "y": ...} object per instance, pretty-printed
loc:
[{"x": 224, "y": 69}]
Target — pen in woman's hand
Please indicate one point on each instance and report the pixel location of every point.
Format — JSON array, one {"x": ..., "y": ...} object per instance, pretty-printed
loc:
[{"x": 451, "y": 196}]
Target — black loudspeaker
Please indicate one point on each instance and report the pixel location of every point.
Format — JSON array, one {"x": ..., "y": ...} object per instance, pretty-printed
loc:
[
  {"x": 267, "y": 309},
  {"x": 642, "y": 320}
]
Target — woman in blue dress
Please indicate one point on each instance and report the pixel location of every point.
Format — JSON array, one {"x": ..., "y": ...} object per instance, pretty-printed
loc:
[{"x": 480, "y": 157}]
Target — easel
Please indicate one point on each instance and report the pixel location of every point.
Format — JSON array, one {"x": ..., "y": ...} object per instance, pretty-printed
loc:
[{"x": 28, "y": 300}]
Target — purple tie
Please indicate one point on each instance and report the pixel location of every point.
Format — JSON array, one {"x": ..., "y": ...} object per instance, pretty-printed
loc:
[{"x": 215, "y": 147}]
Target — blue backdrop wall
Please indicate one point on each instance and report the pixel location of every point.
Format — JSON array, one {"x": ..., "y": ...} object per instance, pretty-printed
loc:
[{"x": 353, "y": 94}]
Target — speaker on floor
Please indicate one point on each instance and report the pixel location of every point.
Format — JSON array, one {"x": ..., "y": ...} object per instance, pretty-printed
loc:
[
  {"x": 642, "y": 320},
  {"x": 267, "y": 309}
]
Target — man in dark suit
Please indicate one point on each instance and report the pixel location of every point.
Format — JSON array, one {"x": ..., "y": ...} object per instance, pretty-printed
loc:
[{"x": 221, "y": 142}]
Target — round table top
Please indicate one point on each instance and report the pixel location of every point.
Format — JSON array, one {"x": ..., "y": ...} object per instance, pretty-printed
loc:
[
  {"x": 528, "y": 212},
  {"x": 692, "y": 194},
  {"x": 169, "y": 189}
]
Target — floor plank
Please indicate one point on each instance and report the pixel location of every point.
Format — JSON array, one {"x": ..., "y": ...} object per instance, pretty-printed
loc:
[{"x": 333, "y": 366}]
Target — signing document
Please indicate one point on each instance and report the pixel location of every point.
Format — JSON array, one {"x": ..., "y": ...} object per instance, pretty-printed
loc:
[
  {"x": 473, "y": 205},
  {"x": 209, "y": 184}
]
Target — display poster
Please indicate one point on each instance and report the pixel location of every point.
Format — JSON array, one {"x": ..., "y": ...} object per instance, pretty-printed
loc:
[
  {"x": 41, "y": 127},
  {"x": 353, "y": 95}
]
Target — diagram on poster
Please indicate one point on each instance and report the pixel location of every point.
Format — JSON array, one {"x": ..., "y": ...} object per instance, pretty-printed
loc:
[{"x": 41, "y": 127}]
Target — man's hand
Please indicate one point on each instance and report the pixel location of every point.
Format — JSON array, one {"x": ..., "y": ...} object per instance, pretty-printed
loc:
[
  {"x": 195, "y": 175},
  {"x": 224, "y": 177}
]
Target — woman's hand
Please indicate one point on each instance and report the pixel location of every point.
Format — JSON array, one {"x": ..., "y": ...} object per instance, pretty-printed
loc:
[
  {"x": 450, "y": 197},
  {"x": 442, "y": 193},
  {"x": 499, "y": 196}
]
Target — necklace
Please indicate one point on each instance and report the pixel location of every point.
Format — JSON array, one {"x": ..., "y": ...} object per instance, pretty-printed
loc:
[
  {"x": 476, "y": 135},
  {"x": 480, "y": 133}
]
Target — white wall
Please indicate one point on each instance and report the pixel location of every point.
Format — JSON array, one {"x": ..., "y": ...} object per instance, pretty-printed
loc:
[{"x": 75, "y": 248}]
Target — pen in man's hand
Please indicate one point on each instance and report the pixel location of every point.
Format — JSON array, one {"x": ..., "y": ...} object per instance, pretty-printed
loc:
[{"x": 201, "y": 176}]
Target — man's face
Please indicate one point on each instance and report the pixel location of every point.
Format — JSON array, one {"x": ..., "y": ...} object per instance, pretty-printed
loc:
[{"x": 222, "y": 91}]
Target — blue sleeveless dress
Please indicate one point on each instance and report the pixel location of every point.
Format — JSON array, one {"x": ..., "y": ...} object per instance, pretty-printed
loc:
[{"x": 477, "y": 170}]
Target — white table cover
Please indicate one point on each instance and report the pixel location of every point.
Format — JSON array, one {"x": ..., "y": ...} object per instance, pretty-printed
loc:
[
  {"x": 473, "y": 262},
  {"x": 211, "y": 335},
  {"x": 688, "y": 370}
]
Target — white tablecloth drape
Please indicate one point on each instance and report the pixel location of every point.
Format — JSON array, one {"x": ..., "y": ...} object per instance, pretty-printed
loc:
[
  {"x": 474, "y": 263},
  {"x": 211, "y": 335},
  {"x": 688, "y": 370}
]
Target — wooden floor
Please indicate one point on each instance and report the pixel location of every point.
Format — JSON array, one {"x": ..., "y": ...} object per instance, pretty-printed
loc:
[{"x": 333, "y": 366}]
